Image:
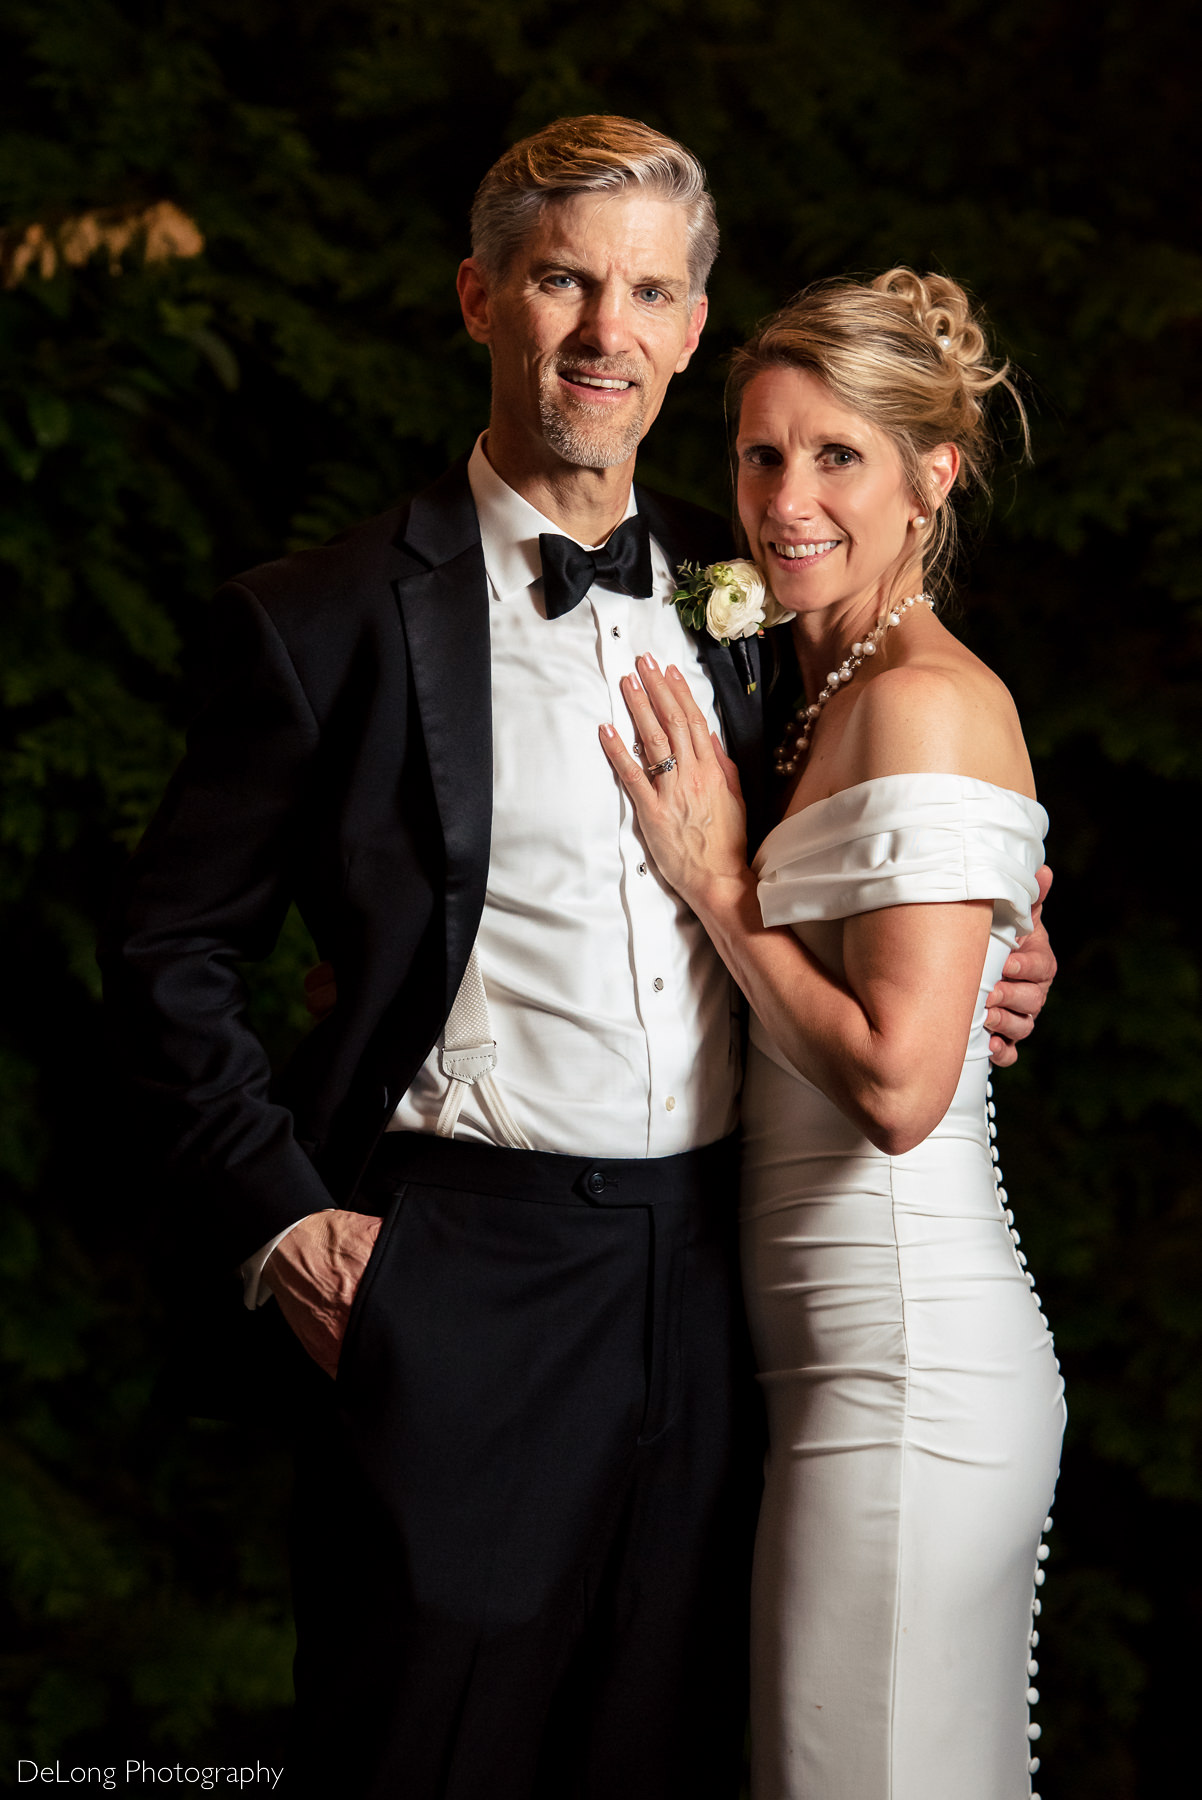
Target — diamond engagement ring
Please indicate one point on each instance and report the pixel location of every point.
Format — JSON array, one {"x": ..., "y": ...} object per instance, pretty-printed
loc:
[{"x": 661, "y": 768}]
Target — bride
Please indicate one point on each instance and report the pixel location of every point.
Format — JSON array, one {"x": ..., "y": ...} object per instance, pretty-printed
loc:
[{"x": 914, "y": 1398}]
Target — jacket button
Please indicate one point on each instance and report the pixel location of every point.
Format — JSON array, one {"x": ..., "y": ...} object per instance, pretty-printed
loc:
[{"x": 596, "y": 1182}]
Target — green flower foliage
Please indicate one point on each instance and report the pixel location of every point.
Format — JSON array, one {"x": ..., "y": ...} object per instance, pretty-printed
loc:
[
  {"x": 166, "y": 419},
  {"x": 692, "y": 592}
]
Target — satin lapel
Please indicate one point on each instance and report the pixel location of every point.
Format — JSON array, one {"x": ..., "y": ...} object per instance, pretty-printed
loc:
[
  {"x": 742, "y": 713},
  {"x": 444, "y": 611},
  {"x": 743, "y": 718}
]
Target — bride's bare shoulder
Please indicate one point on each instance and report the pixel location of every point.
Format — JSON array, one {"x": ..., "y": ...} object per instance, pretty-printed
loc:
[{"x": 939, "y": 710}]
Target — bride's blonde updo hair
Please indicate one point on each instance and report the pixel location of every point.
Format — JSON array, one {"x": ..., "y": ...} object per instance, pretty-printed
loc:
[{"x": 908, "y": 353}]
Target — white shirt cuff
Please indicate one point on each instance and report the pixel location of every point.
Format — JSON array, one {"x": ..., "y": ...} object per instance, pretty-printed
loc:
[{"x": 255, "y": 1291}]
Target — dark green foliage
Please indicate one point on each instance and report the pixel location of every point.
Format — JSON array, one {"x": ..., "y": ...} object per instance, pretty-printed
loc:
[
  {"x": 691, "y": 595},
  {"x": 169, "y": 423}
]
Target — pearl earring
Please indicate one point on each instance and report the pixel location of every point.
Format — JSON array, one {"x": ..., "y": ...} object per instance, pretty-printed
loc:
[{"x": 921, "y": 519}]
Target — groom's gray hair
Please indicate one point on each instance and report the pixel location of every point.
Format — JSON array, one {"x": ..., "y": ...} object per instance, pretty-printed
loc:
[{"x": 597, "y": 153}]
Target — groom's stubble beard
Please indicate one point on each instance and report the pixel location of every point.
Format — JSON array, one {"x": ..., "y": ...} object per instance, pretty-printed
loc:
[{"x": 586, "y": 441}]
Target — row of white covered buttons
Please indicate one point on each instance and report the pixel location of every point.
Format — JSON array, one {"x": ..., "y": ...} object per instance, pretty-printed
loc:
[{"x": 1033, "y": 1730}]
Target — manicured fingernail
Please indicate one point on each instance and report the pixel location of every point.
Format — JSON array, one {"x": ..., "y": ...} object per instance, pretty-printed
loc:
[
  {"x": 607, "y": 731},
  {"x": 650, "y": 663},
  {"x": 674, "y": 673},
  {"x": 635, "y": 683}
]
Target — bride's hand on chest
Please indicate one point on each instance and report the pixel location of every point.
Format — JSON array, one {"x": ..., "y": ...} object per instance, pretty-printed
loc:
[{"x": 685, "y": 789}]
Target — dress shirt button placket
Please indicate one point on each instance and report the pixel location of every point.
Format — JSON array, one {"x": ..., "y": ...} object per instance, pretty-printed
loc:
[
  {"x": 617, "y": 660},
  {"x": 660, "y": 978},
  {"x": 651, "y": 913},
  {"x": 611, "y": 614},
  {"x": 651, "y": 910},
  {"x": 644, "y": 903}
]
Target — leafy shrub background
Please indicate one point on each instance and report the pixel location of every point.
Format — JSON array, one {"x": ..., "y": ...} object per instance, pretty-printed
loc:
[{"x": 167, "y": 418}]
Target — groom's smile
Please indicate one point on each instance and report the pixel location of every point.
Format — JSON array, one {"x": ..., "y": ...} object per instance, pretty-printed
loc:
[{"x": 596, "y": 384}]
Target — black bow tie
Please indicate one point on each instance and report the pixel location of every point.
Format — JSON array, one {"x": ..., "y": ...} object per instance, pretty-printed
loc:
[{"x": 624, "y": 562}]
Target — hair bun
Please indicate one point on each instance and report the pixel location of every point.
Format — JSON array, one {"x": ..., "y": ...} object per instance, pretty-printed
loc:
[{"x": 943, "y": 311}]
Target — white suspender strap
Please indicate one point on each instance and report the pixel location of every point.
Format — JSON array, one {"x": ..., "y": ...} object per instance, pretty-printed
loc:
[{"x": 468, "y": 1057}]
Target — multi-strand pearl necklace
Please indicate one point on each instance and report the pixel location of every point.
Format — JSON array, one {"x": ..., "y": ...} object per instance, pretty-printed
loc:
[{"x": 801, "y": 727}]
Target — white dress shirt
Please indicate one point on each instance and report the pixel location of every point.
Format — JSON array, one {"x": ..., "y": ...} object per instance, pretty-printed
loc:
[
  {"x": 613, "y": 1014},
  {"x": 615, "y": 1020}
]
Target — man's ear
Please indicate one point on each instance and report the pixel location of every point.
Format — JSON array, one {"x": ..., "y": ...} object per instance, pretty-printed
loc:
[
  {"x": 693, "y": 335},
  {"x": 472, "y": 286}
]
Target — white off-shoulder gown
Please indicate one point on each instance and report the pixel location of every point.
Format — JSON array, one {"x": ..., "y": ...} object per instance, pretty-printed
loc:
[{"x": 914, "y": 1399}]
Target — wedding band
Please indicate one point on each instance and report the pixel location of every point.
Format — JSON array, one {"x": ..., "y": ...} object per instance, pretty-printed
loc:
[{"x": 661, "y": 768}]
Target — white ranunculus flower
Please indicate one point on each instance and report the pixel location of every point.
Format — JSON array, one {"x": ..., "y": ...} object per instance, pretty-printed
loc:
[{"x": 738, "y": 601}]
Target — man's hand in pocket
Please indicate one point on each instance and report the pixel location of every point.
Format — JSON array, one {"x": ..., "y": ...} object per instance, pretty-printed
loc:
[{"x": 314, "y": 1273}]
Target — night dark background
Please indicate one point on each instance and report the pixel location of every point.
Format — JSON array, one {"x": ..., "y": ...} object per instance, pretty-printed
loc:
[{"x": 172, "y": 411}]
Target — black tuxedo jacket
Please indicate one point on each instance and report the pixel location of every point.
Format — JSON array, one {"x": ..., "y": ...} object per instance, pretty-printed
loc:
[{"x": 343, "y": 760}]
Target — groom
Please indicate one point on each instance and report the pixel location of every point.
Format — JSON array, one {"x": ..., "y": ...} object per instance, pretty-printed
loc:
[{"x": 524, "y": 1510}]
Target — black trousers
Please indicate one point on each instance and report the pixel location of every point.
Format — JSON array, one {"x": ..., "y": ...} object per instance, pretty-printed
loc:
[{"x": 523, "y": 1526}]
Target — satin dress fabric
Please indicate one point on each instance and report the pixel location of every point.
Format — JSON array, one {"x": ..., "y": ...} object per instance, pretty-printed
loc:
[{"x": 914, "y": 1398}]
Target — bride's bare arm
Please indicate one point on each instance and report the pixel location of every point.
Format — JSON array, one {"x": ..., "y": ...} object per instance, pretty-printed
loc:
[{"x": 887, "y": 1043}]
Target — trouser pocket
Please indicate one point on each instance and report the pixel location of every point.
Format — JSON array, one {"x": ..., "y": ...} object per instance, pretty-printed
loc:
[{"x": 370, "y": 1277}]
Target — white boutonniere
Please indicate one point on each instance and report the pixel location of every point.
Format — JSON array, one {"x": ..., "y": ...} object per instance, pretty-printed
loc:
[{"x": 731, "y": 601}]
